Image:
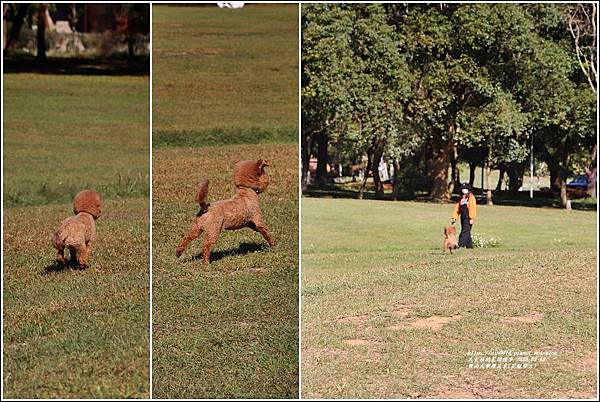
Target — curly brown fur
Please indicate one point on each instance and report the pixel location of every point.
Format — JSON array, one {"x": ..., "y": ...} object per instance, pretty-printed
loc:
[
  {"x": 240, "y": 211},
  {"x": 78, "y": 233},
  {"x": 450, "y": 242}
]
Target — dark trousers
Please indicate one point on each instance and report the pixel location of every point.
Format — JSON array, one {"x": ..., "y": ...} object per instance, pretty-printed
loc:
[{"x": 464, "y": 239}]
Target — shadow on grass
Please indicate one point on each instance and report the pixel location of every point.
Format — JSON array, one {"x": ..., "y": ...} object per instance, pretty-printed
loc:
[
  {"x": 56, "y": 267},
  {"x": 540, "y": 199},
  {"x": 242, "y": 249},
  {"x": 77, "y": 65}
]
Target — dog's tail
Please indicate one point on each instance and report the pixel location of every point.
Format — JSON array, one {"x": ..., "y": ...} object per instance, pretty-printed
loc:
[{"x": 201, "y": 195}]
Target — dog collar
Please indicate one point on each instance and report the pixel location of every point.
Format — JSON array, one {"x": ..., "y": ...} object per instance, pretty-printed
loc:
[{"x": 249, "y": 188}]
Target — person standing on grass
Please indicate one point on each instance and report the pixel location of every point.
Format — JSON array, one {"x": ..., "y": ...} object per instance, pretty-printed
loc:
[{"x": 466, "y": 208}]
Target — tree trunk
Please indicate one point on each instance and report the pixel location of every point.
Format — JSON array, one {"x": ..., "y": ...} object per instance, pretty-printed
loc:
[
  {"x": 472, "y": 168},
  {"x": 363, "y": 185},
  {"x": 554, "y": 174},
  {"x": 455, "y": 181},
  {"x": 488, "y": 190},
  {"x": 564, "y": 198},
  {"x": 15, "y": 29},
  {"x": 377, "y": 155},
  {"x": 428, "y": 154},
  {"x": 41, "y": 32},
  {"x": 131, "y": 45},
  {"x": 4, "y": 12},
  {"x": 440, "y": 163},
  {"x": 305, "y": 160},
  {"x": 396, "y": 189},
  {"x": 322, "y": 159},
  {"x": 515, "y": 176},
  {"x": 590, "y": 172},
  {"x": 564, "y": 172},
  {"x": 501, "y": 177}
]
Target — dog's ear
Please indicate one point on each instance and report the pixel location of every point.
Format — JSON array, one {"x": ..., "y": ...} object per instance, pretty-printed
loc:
[{"x": 261, "y": 164}]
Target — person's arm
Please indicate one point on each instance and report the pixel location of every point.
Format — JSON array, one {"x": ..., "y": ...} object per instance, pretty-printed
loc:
[
  {"x": 472, "y": 208},
  {"x": 455, "y": 212}
]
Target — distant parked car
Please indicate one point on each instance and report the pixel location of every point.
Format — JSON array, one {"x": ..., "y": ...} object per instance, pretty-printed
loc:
[
  {"x": 577, "y": 188},
  {"x": 579, "y": 182}
]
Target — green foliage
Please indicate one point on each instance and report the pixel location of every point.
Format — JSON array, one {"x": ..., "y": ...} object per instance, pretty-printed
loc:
[{"x": 475, "y": 75}]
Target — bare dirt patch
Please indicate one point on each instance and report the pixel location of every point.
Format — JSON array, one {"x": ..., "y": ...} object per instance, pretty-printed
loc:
[
  {"x": 402, "y": 311},
  {"x": 434, "y": 323},
  {"x": 471, "y": 391},
  {"x": 359, "y": 342},
  {"x": 454, "y": 393},
  {"x": 530, "y": 318},
  {"x": 569, "y": 394},
  {"x": 589, "y": 362}
]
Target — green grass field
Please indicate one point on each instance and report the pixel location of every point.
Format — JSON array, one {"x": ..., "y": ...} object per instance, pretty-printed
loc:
[
  {"x": 75, "y": 333},
  {"x": 386, "y": 314},
  {"x": 225, "y": 76},
  {"x": 225, "y": 89}
]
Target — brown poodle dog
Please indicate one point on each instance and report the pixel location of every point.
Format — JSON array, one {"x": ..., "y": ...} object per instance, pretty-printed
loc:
[
  {"x": 450, "y": 242},
  {"x": 240, "y": 211},
  {"x": 78, "y": 233}
]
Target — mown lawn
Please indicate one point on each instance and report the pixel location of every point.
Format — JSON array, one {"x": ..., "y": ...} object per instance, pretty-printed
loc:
[
  {"x": 223, "y": 76},
  {"x": 75, "y": 333},
  {"x": 67, "y": 132},
  {"x": 386, "y": 314},
  {"x": 225, "y": 89},
  {"x": 229, "y": 329}
]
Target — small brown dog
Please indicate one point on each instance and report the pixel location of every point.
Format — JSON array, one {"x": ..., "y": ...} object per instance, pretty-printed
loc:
[
  {"x": 78, "y": 233},
  {"x": 450, "y": 242},
  {"x": 240, "y": 211}
]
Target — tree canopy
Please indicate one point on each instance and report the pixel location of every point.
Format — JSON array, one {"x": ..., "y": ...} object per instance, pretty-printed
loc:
[{"x": 447, "y": 82}]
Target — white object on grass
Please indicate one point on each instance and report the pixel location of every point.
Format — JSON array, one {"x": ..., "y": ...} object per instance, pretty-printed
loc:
[{"x": 231, "y": 4}]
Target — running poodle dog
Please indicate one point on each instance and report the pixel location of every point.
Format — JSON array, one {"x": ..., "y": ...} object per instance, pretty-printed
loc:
[
  {"x": 450, "y": 242},
  {"x": 78, "y": 233},
  {"x": 240, "y": 211}
]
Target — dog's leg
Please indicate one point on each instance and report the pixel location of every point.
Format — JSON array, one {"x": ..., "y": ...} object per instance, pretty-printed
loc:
[
  {"x": 192, "y": 234},
  {"x": 259, "y": 226},
  {"x": 60, "y": 256},
  {"x": 59, "y": 245},
  {"x": 209, "y": 241},
  {"x": 73, "y": 256},
  {"x": 84, "y": 258}
]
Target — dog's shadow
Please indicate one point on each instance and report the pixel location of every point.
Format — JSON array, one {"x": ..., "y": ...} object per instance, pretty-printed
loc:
[
  {"x": 56, "y": 267},
  {"x": 242, "y": 249}
]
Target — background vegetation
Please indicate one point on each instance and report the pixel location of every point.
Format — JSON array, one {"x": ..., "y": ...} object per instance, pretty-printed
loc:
[{"x": 429, "y": 87}]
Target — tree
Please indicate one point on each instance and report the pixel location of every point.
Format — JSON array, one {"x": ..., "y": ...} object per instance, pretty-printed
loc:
[
  {"x": 581, "y": 21},
  {"x": 354, "y": 85},
  {"x": 42, "y": 25},
  {"x": 326, "y": 61}
]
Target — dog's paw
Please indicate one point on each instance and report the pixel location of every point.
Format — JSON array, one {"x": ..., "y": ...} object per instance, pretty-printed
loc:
[{"x": 178, "y": 252}]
